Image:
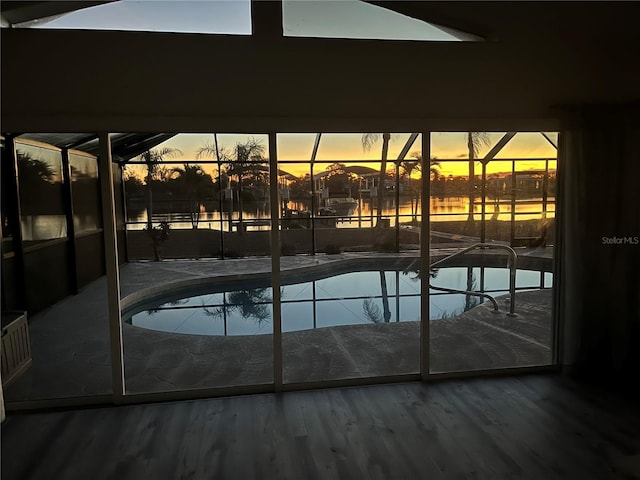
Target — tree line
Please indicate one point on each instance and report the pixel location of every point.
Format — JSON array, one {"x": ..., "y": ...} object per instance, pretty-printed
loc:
[{"x": 244, "y": 170}]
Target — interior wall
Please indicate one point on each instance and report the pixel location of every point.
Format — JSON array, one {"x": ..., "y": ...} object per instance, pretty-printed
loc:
[{"x": 130, "y": 81}]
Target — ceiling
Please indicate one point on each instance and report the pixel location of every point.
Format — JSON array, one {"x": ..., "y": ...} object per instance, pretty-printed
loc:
[{"x": 515, "y": 20}]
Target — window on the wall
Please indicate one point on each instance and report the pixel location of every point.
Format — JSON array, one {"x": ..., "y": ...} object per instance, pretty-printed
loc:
[
  {"x": 185, "y": 16},
  {"x": 41, "y": 194},
  {"x": 357, "y": 19}
]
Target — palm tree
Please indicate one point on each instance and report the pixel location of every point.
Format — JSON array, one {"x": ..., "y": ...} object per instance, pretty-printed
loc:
[
  {"x": 195, "y": 184},
  {"x": 252, "y": 303},
  {"x": 385, "y": 297},
  {"x": 368, "y": 140},
  {"x": 372, "y": 311},
  {"x": 41, "y": 179},
  {"x": 33, "y": 170},
  {"x": 247, "y": 154},
  {"x": 474, "y": 141},
  {"x": 249, "y": 303},
  {"x": 151, "y": 158},
  {"x": 409, "y": 166}
]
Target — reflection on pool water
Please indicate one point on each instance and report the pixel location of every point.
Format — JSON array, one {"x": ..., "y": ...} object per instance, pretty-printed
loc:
[{"x": 363, "y": 297}]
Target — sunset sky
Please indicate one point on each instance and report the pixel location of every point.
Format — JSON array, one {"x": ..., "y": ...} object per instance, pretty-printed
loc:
[{"x": 348, "y": 148}]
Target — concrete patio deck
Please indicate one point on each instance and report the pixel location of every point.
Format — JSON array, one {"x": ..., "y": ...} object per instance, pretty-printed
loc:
[{"x": 71, "y": 356}]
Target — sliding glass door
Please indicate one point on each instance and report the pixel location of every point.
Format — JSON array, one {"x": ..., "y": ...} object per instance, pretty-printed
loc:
[
  {"x": 492, "y": 208},
  {"x": 258, "y": 262},
  {"x": 198, "y": 313},
  {"x": 350, "y": 294}
]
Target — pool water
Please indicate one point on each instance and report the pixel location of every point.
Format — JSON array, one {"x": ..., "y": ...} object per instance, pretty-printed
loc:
[{"x": 362, "y": 297}]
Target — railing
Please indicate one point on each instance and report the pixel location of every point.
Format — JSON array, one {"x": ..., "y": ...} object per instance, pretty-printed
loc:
[
  {"x": 513, "y": 257},
  {"x": 469, "y": 292}
]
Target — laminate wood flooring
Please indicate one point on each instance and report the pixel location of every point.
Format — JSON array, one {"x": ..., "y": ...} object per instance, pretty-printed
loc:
[{"x": 519, "y": 427}]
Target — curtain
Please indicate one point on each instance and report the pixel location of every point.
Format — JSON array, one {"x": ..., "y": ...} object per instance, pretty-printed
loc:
[{"x": 599, "y": 248}]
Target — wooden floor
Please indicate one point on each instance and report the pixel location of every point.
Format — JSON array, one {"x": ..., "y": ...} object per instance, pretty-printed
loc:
[{"x": 530, "y": 427}]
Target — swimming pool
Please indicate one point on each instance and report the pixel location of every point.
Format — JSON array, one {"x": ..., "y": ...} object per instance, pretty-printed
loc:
[{"x": 369, "y": 296}]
